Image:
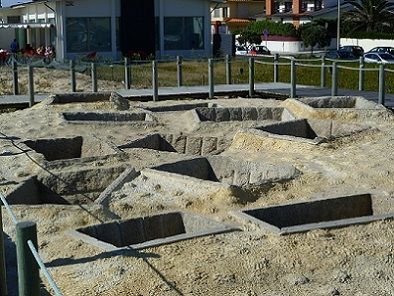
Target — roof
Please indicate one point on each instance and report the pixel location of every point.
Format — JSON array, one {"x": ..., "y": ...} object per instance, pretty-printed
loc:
[{"x": 237, "y": 20}]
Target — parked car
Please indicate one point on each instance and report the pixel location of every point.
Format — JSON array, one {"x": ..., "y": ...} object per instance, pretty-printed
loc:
[
  {"x": 377, "y": 57},
  {"x": 357, "y": 51},
  {"x": 241, "y": 50},
  {"x": 385, "y": 49},
  {"x": 259, "y": 49},
  {"x": 341, "y": 54}
]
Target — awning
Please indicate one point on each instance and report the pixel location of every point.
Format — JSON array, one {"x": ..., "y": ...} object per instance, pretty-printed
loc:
[{"x": 27, "y": 26}]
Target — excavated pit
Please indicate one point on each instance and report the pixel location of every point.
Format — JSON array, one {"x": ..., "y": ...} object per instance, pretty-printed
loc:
[
  {"x": 298, "y": 128},
  {"x": 229, "y": 171},
  {"x": 70, "y": 148},
  {"x": 33, "y": 192},
  {"x": 82, "y": 185},
  {"x": 106, "y": 117},
  {"x": 322, "y": 213},
  {"x": 56, "y": 149},
  {"x": 242, "y": 114},
  {"x": 144, "y": 232},
  {"x": 180, "y": 107},
  {"x": 184, "y": 144},
  {"x": 310, "y": 131},
  {"x": 339, "y": 102}
]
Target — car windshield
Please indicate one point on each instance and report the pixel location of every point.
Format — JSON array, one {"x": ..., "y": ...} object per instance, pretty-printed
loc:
[{"x": 386, "y": 56}]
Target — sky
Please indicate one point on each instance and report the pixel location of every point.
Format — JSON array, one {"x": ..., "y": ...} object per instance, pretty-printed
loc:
[{"x": 5, "y": 3}]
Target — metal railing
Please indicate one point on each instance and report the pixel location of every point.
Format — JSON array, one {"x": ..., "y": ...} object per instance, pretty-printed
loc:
[
  {"x": 28, "y": 259},
  {"x": 270, "y": 60}
]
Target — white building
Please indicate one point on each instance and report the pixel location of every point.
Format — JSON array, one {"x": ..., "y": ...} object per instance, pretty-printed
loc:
[{"x": 110, "y": 27}]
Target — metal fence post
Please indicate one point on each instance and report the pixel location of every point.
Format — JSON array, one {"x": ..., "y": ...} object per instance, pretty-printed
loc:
[
  {"x": 31, "y": 85},
  {"x": 211, "y": 79},
  {"x": 251, "y": 77},
  {"x": 276, "y": 67},
  {"x": 293, "y": 78},
  {"x": 228, "y": 69},
  {"x": 72, "y": 76},
  {"x": 28, "y": 272},
  {"x": 361, "y": 75},
  {"x": 15, "y": 76},
  {"x": 334, "y": 84},
  {"x": 323, "y": 72},
  {"x": 94, "y": 77},
  {"x": 155, "y": 81},
  {"x": 382, "y": 85},
  {"x": 179, "y": 71},
  {"x": 3, "y": 274},
  {"x": 127, "y": 76}
]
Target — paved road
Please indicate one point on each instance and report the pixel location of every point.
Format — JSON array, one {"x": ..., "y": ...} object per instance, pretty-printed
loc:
[{"x": 241, "y": 89}]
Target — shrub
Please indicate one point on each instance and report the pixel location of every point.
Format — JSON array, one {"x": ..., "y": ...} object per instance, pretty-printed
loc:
[
  {"x": 313, "y": 34},
  {"x": 253, "y": 32}
]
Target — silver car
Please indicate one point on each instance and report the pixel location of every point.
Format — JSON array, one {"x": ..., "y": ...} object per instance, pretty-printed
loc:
[{"x": 377, "y": 57}]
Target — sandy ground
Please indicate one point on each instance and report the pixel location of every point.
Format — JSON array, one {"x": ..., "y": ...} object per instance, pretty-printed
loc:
[{"x": 353, "y": 260}]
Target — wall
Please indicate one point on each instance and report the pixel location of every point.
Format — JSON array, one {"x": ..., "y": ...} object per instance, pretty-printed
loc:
[
  {"x": 367, "y": 44},
  {"x": 245, "y": 10},
  {"x": 292, "y": 46},
  {"x": 91, "y": 8},
  {"x": 168, "y": 8},
  {"x": 6, "y": 37}
]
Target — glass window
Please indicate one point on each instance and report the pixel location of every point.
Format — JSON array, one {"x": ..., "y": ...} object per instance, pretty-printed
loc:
[
  {"x": 77, "y": 34},
  {"x": 13, "y": 19},
  {"x": 99, "y": 34},
  {"x": 118, "y": 33},
  {"x": 88, "y": 34},
  {"x": 157, "y": 33},
  {"x": 225, "y": 11},
  {"x": 183, "y": 33},
  {"x": 216, "y": 12}
]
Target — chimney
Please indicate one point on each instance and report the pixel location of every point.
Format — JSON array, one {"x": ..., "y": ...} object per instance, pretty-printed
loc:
[{"x": 269, "y": 7}]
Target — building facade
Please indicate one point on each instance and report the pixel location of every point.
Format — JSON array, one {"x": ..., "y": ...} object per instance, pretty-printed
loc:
[
  {"x": 234, "y": 15},
  {"x": 111, "y": 27}
]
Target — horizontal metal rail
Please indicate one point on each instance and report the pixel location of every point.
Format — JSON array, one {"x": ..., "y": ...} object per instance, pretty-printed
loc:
[
  {"x": 44, "y": 269},
  {"x": 301, "y": 60},
  {"x": 342, "y": 61},
  {"x": 271, "y": 63},
  {"x": 357, "y": 69},
  {"x": 313, "y": 65}
]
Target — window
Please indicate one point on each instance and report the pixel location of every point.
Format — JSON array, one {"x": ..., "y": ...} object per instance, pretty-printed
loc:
[
  {"x": 183, "y": 33},
  {"x": 88, "y": 34},
  {"x": 216, "y": 12},
  {"x": 118, "y": 33},
  {"x": 13, "y": 19},
  {"x": 225, "y": 12},
  {"x": 372, "y": 57}
]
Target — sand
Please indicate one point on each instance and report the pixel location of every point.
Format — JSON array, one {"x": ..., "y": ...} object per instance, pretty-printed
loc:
[{"x": 353, "y": 260}]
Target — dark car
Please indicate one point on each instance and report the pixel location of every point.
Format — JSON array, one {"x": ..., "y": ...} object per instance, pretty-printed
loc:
[
  {"x": 383, "y": 49},
  {"x": 357, "y": 51},
  {"x": 341, "y": 54},
  {"x": 259, "y": 49}
]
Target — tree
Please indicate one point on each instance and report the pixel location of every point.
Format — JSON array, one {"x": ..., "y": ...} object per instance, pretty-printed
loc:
[
  {"x": 313, "y": 34},
  {"x": 253, "y": 32},
  {"x": 370, "y": 15}
]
